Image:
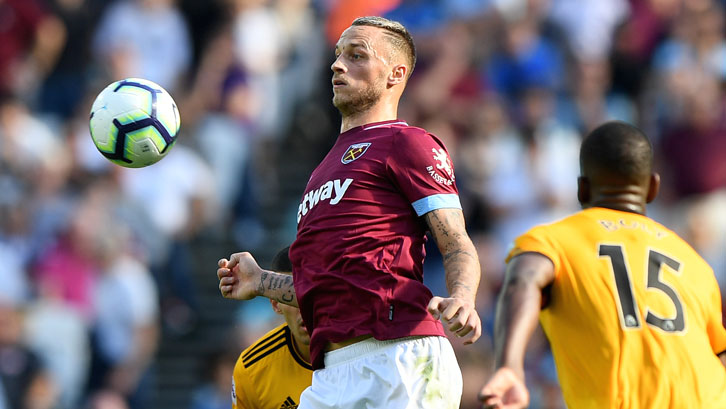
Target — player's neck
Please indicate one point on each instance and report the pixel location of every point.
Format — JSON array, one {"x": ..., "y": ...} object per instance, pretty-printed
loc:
[
  {"x": 622, "y": 204},
  {"x": 627, "y": 198},
  {"x": 380, "y": 112},
  {"x": 302, "y": 349}
]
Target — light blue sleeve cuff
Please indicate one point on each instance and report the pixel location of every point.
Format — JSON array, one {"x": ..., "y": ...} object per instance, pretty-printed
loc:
[{"x": 433, "y": 202}]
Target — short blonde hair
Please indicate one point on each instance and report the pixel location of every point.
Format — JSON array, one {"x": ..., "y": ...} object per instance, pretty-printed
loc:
[{"x": 396, "y": 34}]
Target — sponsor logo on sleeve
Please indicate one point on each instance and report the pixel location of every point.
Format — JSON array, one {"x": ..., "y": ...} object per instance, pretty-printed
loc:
[
  {"x": 354, "y": 152},
  {"x": 444, "y": 164}
]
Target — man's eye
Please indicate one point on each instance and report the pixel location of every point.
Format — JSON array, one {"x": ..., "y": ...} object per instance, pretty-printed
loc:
[{"x": 357, "y": 56}]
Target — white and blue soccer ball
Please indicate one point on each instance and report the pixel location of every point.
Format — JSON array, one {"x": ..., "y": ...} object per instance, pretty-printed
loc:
[{"x": 134, "y": 122}]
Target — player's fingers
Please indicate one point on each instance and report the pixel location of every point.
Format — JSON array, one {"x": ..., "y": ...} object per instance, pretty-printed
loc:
[
  {"x": 434, "y": 306},
  {"x": 223, "y": 272},
  {"x": 489, "y": 400},
  {"x": 234, "y": 260},
  {"x": 497, "y": 385},
  {"x": 222, "y": 262},
  {"x": 458, "y": 322},
  {"x": 453, "y": 307},
  {"x": 470, "y": 332},
  {"x": 462, "y": 329},
  {"x": 505, "y": 382},
  {"x": 472, "y": 329},
  {"x": 228, "y": 281},
  {"x": 495, "y": 405},
  {"x": 226, "y": 290},
  {"x": 474, "y": 335}
]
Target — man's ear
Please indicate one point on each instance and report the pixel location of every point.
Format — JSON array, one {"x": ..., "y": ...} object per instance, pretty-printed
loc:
[
  {"x": 583, "y": 190},
  {"x": 397, "y": 75},
  {"x": 653, "y": 187},
  {"x": 276, "y": 306}
]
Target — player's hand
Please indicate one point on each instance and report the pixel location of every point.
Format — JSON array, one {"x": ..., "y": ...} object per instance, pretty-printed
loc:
[
  {"x": 239, "y": 276},
  {"x": 459, "y": 315},
  {"x": 505, "y": 390}
]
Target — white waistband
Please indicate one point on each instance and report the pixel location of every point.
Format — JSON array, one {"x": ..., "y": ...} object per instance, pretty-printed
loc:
[{"x": 365, "y": 347}]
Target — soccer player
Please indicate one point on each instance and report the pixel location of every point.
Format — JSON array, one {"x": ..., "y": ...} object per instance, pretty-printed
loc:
[
  {"x": 376, "y": 338},
  {"x": 273, "y": 372},
  {"x": 632, "y": 313}
]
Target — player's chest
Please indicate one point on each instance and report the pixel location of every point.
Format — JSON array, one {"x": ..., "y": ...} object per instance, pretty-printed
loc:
[
  {"x": 355, "y": 157},
  {"x": 351, "y": 167},
  {"x": 275, "y": 394},
  {"x": 351, "y": 177}
]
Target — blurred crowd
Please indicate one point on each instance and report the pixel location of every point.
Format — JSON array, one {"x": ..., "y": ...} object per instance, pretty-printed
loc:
[{"x": 95, "y": 260}]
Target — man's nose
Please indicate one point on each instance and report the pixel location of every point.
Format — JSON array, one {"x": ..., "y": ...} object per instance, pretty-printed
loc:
[{"x": 337, "y": 66}]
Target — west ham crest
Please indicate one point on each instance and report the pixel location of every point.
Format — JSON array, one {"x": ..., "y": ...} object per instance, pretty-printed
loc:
[{"x": 354, "y": 152}]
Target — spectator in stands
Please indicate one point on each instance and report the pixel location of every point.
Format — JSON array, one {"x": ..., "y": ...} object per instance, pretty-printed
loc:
[
  {"x": 144, "y": 38},
  {"x": 127, "y": 325},
  {"x": 30, "y": 40},
  {"x": 24, "y": 380}
]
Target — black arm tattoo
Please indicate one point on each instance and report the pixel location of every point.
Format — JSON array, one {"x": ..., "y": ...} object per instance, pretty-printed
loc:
[
  {"x": 454, "y": 254},
  {"x": 286, "y": 284},
  {"x": 278, "y": 287},
  {"x": 461, "y": 262},
  {"x": 275, "y": 283},
  {"x": 261, "y": 286}
]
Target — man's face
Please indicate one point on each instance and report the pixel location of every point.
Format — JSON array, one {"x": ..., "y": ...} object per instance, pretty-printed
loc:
[
  {"x": 360, "y": 69},
  {"x": 294, "y": 321}
]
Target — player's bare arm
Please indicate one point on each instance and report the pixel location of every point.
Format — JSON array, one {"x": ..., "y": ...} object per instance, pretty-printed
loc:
[
  {"x": 516, "y": 318},
  {"x": 241, "y": 278},
  {"x": 722, "y": 355},
  {"x": 461, "y": 266}
]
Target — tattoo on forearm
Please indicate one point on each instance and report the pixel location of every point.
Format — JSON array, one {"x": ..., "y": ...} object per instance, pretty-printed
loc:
[
  {"x": 289, "y": 289},
  {"x": 452, "y": 256},
  {"x": 460, "y": 285},
  {"x": 459, "y": 255},
  {"x": 446, "y": 227},
  {"x": 261, "y": 286},
  {"x": 275, "y": 283},
  {"x": 279, "y": 287},
  {"x": 437, "y": 226}
]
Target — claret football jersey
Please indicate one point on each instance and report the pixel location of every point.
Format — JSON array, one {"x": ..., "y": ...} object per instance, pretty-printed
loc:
[{"x": 358, "y": 256}]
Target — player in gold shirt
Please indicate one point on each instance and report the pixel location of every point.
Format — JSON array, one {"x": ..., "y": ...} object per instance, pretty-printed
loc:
[
  {"x": 273, "y": 372},
  {"x": 632, "y": 313}
]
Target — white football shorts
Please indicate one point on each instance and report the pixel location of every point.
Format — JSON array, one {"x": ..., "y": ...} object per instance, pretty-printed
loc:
[{"x": 405, "y": 373}]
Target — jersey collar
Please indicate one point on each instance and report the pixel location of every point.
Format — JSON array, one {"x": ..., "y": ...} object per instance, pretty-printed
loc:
[{"x": 375, "y": 125}]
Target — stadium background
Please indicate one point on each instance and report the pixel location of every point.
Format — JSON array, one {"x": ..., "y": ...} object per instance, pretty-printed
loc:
[{"x": 97, "y": 261}]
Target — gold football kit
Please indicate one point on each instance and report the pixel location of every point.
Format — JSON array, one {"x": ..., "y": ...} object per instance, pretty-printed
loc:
[
  {"x": 634, "y": 314},
  {"x": 270, "y": 374}
]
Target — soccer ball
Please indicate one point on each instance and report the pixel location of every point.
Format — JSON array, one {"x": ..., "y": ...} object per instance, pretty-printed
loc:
[{"x": 134, "y": 122}]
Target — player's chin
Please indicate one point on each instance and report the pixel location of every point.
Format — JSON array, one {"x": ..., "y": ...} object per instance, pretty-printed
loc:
[
  {"x": 339, "y": 101},
  {"x": 344, "y": 98}
]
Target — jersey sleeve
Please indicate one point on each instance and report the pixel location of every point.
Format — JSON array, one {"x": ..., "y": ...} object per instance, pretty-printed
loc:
[
  {"x": 536, "y": 240},
  {"x": 241, "y": 388},
  {"x": 715, "y": 328},
  {"x": 421, "y": 167}
]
